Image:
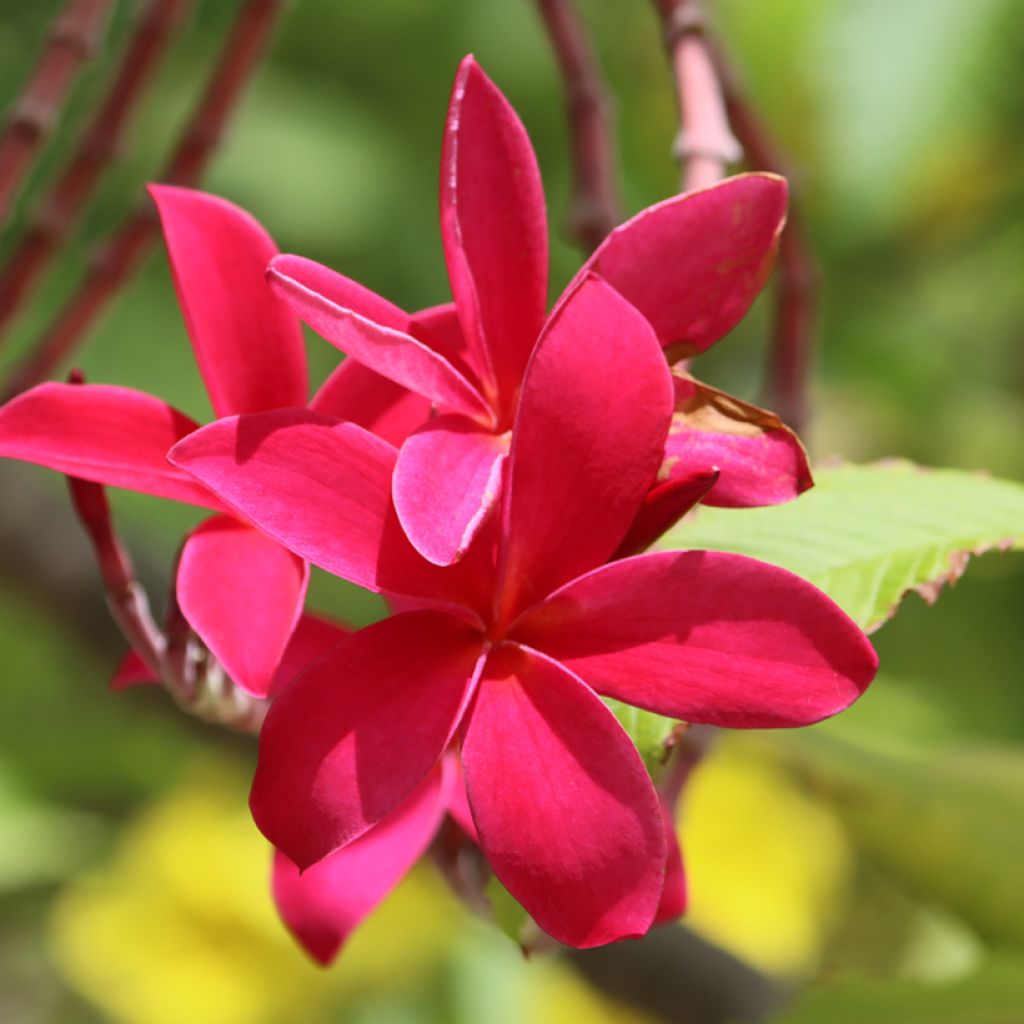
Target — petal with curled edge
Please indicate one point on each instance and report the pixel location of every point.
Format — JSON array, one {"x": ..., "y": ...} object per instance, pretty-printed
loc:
[
  {"x": 588, "y": 439},
  {"x": 494, "y": 227},
  {"x": 694, "y": 264},
  {"x": 760, "y": 461},
  {"x": 706, "y": 637},
  {"x": 350, "y": 739},
  {"x": 323, "y": 905},
  {"x": 109, "y": 435},
  {"x": 447, "y": 479},
  {"x": 566, "y": 813},
  {"x": 242, "y": 593},
  {"x": 317, "y": 296},
  {"x": 247, "y": 342}
]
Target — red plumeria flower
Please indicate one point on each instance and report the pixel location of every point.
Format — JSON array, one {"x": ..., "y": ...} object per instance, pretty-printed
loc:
[
  {"x": 323, "y": 905},
  {"x": 504, "y": 654},
  {"x": 241, "y": 591},
  {"x": 692, "y": 265}
]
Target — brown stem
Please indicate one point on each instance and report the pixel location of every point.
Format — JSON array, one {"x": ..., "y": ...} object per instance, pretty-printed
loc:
[
  {"x": 123, "y": 251},
  {"x": 797, "y": 275},
  {"x": 72, "y": 39},
  {"x": 55, "y": 218},
  {"x": 705, "y": 145},
  {"x": 594, "y": 206}
]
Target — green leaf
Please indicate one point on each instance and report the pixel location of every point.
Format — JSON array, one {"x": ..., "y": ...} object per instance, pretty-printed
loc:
[
  {"x": 868, "y": 535},
  {"x": 650, "y": 732},
  {"x": 509, "y": 914}
]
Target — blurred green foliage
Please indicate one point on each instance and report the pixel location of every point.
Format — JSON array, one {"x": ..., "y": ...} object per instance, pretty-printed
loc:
[{"x": 901, "y": 124}]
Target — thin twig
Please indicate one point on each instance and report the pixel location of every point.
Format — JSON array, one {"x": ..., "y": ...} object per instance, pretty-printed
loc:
[
  {"x": 594, "y": 206},
  {"x": 705, "y": 145},
  {"x": 72, "y": 39},
  {"x": 797, "y": 275},
  {"x": 55, "y": 218},
  {"x": 121, "y": 254}
]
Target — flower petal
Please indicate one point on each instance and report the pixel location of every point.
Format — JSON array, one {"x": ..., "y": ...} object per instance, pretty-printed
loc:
[
  {"x": 313, "y": 637},
  {"x": 759, "y": 459},
  {"x": 317, "y": 485},
  {"x": 447, "y": 479},
  {"x": 348, "y": 741},
  {"x": 694, "y": 263},
  {"x": 247, "y": 342},
  {"x": 109, "y": 435},
  {"x": 323, "y": 905},
  {"x": 242, "y": 593},
  {"x": 131, "y": 671},
  {"x": 663, "y": 506},
  {"x": 494, "y": 227},
  {"x": 566, "y": 813},
  {"x": 318, "y": 295},
  {"x": 588, "y": 439},
  {"x": 674, "y": 895},
  {"x": 356, "y": 393},
  {"x": 707, "y": 637}
]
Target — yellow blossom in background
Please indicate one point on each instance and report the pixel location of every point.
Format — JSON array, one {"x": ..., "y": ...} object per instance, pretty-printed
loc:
[{"x": 768, "y": 866}]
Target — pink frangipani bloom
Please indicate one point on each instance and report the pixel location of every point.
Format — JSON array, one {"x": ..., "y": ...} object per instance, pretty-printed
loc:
[
  {"x": 241, "y": 591},
  {"x": 503, "y": 655},
  {"x": 691, "y": 265}
]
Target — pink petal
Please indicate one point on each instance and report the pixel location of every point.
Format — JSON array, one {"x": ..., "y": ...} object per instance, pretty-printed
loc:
[
  {"x": 694, "y": 263},
  {"x": 439, "y": 328},
  {"x": 357, "y": 394},
  {"x": 447, "y": 478},
  {"x": 247, "y": 342},
  {"x": 707, "y": 637},
  {"x": 567, "y": 815},
  {"x": 673, "y": 895},
  {"x": 106, "y": 434},
  {"x": 348, "y": 741},
  {"x": 759, "y": 459},
  {"x": 663, "y": 506},
  {"x": 131, "y": 671},
  {"x": 589, "y": 436},
  {"x": 494, "y": 227},
  {"x": 242, "y": 593},
  {"x": 317, "y": 485},
  {"x": 313, "y": 637},
  {"x": 323, "y": 905},
  {"x": 318, "y": 294}
]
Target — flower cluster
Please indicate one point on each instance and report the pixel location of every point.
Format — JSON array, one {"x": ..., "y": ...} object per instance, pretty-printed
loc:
[{"x": 497, "y": 471}]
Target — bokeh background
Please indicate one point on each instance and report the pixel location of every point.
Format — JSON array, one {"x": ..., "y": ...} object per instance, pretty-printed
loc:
[{"x": 868, "y": 869}]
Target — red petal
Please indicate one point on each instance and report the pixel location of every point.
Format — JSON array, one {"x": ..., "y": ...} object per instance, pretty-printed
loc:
[
  {"x": 318, "y": 295},
  {"x": 663, "y": 506},
  {"x": 707, "y": 637},
  {"x": 131, "y": 671},
  {"x": 673, "y": 896},
  {"x": 313, "y": 637},
  {"x": 323, "y": 905},
  {"x": 348, "y": 741},
  {"x": 759, "y": 459},
  {"x": 242, "y": 593},
  {"x": 247, "y": 342},
  {"x": 439, "y": 328},
  {"x": 447, "y": 478},
  {"x": 109, "y": 435},
  {"x": 357, "y": 394},
  {"x": 693, "y": 264},
  {"x": 493, "y": 226},
  {"x": 589, "y": 436},
  {"x": 317, "y": 485},
  {"x": 566, "y": 813}
]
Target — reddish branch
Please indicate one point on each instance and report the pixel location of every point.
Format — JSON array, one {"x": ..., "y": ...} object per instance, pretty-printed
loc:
[
  {"x": 121, "y": 254},
  {"x": 56, "y": 216},
  {"x": 705, "y": 145},
  {"x": 73, "y": 38},
  {"x": 593, "y": 208},
  {"x": 711, "y": 101}
]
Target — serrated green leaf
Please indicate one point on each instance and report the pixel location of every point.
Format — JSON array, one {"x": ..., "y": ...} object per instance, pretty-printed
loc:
[{"x": 868, "y": 535}]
